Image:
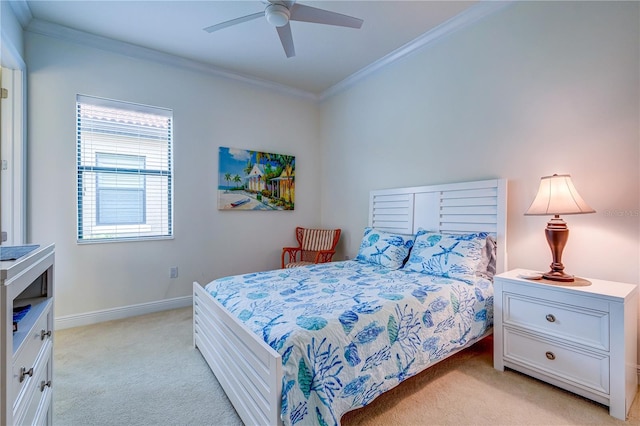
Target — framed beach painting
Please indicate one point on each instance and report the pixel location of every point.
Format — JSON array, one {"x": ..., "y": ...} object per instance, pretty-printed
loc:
[{"x": 255, "y": 180}]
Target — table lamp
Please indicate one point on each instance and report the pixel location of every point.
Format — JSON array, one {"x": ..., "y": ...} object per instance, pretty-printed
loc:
[{"x": 556, "y": 196}]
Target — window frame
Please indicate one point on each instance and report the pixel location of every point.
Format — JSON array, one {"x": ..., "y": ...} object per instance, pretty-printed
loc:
[{"x": 88, "y": 164}]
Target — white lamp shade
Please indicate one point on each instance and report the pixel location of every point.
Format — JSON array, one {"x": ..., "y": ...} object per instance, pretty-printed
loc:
[{"x": 556, "y": 196}]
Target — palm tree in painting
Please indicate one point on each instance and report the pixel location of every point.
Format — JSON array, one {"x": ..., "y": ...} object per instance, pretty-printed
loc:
[
  {"x": 248, "y": 167},
  {"x": 237, "y": 179},
  {"x": 288, "y": 165},
  {"x": 268, "y": 174},
  {"x": 247, "y": 171},
  {"x": 227, "y": 177},
  {"x": 261, "y": 157}
]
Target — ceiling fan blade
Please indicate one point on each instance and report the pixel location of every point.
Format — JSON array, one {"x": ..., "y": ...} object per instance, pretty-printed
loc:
[
  {"x": 287, "y": 3},
  {"x": 240, "y": 20},
  {"x": 287, "y": 40},
  {"x": 301, "y": 12}
]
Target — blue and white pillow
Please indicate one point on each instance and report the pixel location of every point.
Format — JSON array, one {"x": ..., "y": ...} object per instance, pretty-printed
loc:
[
  {"x": 457, "y": 256},
  {"x": 383, "y": 248}
]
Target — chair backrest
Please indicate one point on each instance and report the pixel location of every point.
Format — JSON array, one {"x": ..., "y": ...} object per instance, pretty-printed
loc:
[{"x": 317, "y": 239}]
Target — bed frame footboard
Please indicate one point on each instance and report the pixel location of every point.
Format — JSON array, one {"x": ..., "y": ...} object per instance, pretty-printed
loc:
[{"x": 249, "y": 370}]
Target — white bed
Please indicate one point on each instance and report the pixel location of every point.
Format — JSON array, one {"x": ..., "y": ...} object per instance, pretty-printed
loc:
[{"x": 251, "y": 371}]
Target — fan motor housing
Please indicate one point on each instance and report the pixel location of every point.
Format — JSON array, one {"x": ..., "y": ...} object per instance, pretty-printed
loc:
[{"x": 277, "y": 15}]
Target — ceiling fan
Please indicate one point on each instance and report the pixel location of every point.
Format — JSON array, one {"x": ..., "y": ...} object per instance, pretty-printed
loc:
[{"x": 279, "y": 13}]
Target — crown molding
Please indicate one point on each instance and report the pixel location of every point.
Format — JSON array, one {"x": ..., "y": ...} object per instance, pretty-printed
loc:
[
  {"x": 22, "y": 11},
  {"x": 470, "y": 16},
  {"x": 61, "y": 32}
]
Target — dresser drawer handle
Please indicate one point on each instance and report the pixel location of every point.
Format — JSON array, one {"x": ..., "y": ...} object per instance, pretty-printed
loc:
[
  {"x": 550, "y": 355},
  {"x": 24, "y": 372},
  {"x": 550, "y": 318},
  {"x": 44, "y": 384},
  {"x": 44, "y": 334}
]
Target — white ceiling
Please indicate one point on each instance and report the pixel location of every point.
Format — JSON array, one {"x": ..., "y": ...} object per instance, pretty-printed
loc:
[{"x": 325, "y": 55}]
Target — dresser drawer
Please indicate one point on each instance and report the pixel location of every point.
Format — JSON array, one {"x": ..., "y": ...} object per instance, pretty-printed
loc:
[
  {"x": 24, "y": 363},
  {"x": 573, "y": 323},
  {"x": 583, "y": 368},
  {"x": 34, "y": 407}
]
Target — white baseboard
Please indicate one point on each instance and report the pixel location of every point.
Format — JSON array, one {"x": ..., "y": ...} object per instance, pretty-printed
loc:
[{"x": 87, "y": 318}]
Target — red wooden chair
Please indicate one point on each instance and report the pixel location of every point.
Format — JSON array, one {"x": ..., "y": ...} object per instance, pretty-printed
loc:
[{"x": 314, "y": 246}]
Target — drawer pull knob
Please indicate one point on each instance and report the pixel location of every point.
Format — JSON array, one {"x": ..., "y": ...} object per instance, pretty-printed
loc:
[
  {"x": 24, "y": 372},
  {"x": 550, "y": 355},
  {"x": 44, "y": 334},
  {"x": 550, "y": 318},
  {"x": 44, "y": 384}
]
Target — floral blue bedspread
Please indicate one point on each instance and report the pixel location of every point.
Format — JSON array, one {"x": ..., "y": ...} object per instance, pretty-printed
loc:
[{"x": 349, "y": 331}]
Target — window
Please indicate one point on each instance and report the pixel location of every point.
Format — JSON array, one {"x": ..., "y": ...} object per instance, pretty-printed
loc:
[
  {"x": 124, "y": 169},
  {"x": 120, "y": 196}
]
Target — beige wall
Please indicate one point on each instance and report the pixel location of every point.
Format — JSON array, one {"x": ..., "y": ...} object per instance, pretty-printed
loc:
[
  {"x": 536, "y": 89},
  {"x": 209, "y": 112},
  {"x": 12, "y": 41}
]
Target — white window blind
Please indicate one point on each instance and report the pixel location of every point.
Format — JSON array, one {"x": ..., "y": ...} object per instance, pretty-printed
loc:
[{"x": 124, "y": 170}]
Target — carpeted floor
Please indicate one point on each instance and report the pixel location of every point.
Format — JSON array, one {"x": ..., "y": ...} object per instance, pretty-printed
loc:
[
  {"x": 145, "y": 371},
  {"x": 136, "y": 371}
]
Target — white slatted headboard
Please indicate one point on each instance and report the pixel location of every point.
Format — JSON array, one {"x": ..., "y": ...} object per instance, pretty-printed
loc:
[{"x": 455, "y": 207}]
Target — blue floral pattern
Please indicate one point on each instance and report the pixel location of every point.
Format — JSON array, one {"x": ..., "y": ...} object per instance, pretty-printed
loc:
[
  {"x": 383, "y": 248},
  {"x": 349, "y": 331},
  {"x": 456, "y": 256}
]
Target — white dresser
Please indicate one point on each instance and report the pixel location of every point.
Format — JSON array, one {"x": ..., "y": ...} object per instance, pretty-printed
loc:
[
  {"x": 26, "y": 355},
  {"x": 580, "y": 338}
]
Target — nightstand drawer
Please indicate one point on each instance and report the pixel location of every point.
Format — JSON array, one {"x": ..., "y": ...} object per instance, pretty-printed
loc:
[
  {"x": 573, "y": 323},
  {"x": 585, "y": 369}
]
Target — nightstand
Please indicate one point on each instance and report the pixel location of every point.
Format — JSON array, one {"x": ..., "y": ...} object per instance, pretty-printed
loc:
[{"x": 579, "y": 338}]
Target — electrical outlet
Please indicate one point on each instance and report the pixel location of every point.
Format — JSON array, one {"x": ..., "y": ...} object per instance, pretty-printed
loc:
[{"x": 174, "y": 272}]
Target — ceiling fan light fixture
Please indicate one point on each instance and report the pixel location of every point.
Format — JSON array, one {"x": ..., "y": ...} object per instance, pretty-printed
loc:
[{"x": 277, "y": 15}]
